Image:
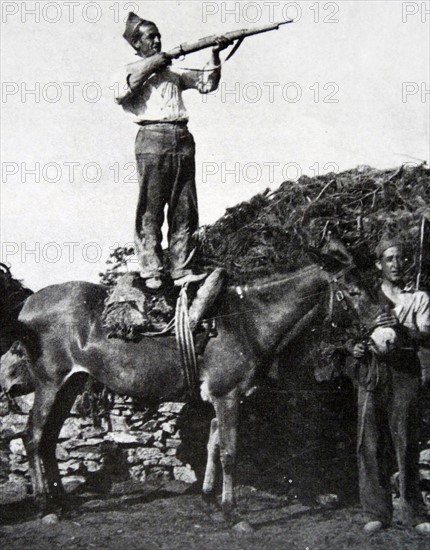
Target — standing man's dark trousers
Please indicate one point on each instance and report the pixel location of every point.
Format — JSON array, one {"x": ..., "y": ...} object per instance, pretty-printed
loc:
[
  {"x": 165, "y": 155},
  {"x": 388, "y": 417}
]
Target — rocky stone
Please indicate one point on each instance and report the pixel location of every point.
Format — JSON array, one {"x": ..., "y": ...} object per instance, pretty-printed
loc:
[
  {"x": 171, "y": 407},
  {"x": 138, "y": 417},
  {"x": 13, "y": 490},
  {"x": 16, "y": 447},
  {"x": 184, "y": 473},
  {"x": 71, "y": 429},
  {"x": 243, "y": 528},
  {"x": 13, "y": 422},
  {"x": 423, "y": 528},
  {"x": 150, "y": 425},
  {"x": 126, "y": 438},
  {"x": 85, "y": 453},
  {"x": 92, "y": 465},
  {"x": 138, "y": 473},
  {"x": 170, "y": 452},
  {"x": 158, "y": 435},
  {"x": 119, "y": 423},
  {"x": 158, "y": 473},
  {"x": 71, "y": 466},
  {"x": 92, "y": 433},
  {"x": 173, "y": 443},
  {"x": 25, "y": 402},
  {"x": 71, "y": 483},
  {"x": 149, "y": 455},
  {"x": 87, "y": 444},
  {"x": 169, "y": 461},
  {"x": 169, "y": 427},
  {"x": 92, "y": 505},
  {"x": 72, "y": 444},
  {"x": 18, "y": 467},
  {"x": 61, "y": 453},
  {"x": 329, "y": 500},
  {"x": 136, "y": 425},
  {"x": 50, "y": 519}
]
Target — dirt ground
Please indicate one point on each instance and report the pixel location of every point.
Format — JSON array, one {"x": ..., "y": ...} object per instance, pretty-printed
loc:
[
  {"x": 170, "y": 515},
  {"x": 284, "y": 496}
]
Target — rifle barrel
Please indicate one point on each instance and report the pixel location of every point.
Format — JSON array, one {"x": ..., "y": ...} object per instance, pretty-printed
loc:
[{"x": 208, "y": 41}]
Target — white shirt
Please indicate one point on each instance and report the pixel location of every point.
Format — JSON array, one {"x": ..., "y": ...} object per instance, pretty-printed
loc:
[
  {"x": 160, "y": 96},
  {"x": 413, "y": 309}
]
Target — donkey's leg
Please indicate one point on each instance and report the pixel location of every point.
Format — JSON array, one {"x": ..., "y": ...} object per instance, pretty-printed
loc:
[
  {"x": 211, "y": 464},
  {"x": 44, "y": 398},
  {"x": 60, "y": 411},
  {"x": 227, "y": 409}
]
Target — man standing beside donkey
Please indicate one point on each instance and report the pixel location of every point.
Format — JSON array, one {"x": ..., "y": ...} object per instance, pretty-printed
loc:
[
  {"x": 165, "y": 150},
  {"x": 389, "y": 377}
]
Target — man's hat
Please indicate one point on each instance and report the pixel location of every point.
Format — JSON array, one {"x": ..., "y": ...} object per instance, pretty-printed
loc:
[
  {"x": 387, "y": 242},
  {"x": 132, "y": 26}
]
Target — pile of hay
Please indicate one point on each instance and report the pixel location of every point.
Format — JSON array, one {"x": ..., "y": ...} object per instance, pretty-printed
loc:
[{"x": 277, "y": 228}]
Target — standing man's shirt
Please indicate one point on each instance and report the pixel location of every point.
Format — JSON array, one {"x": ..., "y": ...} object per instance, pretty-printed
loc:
[
  {"x": 160, "y": 97},
  {"x": 413, "y": 309}
]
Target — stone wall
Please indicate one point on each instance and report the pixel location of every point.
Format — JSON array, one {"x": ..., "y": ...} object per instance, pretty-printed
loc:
[
  {"x": 298, "y": 441},
  {"x": 128, "y": 444}
]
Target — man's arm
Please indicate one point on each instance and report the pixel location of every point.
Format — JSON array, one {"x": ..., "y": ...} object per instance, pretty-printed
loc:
[
  {"x": 137, "y": 74},
  {"x": 420, "y": 333},
  {"x": 206, "y": 80}
]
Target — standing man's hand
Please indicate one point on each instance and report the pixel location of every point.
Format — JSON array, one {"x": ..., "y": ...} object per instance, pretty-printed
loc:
[
  {"x": 222, "y": 42},
  {"x": 159, "y": 61},
  {"x": 386, "y": 320},
  {"x": 359, "y": 350},
  {"x": 141, "y": 70}
]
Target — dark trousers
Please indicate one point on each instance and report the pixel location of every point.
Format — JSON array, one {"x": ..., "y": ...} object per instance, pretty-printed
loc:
[
  {"x": 388, "y": 417},
  {"x": 165, "y": 155}
]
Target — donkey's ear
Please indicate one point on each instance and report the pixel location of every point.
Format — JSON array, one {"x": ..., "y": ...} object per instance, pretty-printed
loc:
[{"x": 334, "y": 255}]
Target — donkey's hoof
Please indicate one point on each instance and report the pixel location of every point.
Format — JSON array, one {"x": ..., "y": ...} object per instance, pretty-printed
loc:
[
  {"x": 243, "y": 528},
  {"x": 231, "y": 517},
  {"x": 210, "y": 501},
  {"x": 50, "y": 519}
]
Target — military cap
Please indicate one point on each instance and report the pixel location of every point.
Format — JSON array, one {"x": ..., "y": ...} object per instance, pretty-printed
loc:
[
  {"x": 132, "y": 26},
  {"x": 387, "y": 242}
]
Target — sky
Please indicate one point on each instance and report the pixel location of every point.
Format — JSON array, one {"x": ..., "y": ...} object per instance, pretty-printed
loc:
[{"x": 346, "y": 84}]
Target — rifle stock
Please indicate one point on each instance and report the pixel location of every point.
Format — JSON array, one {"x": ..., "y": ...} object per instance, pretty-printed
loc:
[{"x": 209, "y": 41}]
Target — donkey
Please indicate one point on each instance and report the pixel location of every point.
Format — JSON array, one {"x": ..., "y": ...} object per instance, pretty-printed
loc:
[
  {"x": 63, "y": 335},
  {"x": 14, "y": 294}
]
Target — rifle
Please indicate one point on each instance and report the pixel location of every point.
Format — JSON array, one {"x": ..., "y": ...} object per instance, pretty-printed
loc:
[
  {"x": 208, "y": 41},
  {"x": 423, "y": 275}
]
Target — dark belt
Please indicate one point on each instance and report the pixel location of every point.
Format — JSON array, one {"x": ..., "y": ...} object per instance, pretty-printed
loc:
[{"x": 182, "y": 123}]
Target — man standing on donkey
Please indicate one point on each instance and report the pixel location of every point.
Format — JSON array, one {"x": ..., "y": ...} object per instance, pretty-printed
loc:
[{"x": 165, "y": 150}]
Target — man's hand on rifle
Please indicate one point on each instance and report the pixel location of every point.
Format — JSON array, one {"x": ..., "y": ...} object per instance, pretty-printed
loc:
[
  {"x": 140, "y": 70},
  {"x": 222, "y": 42},
  {"x": 159, "y": 61}
]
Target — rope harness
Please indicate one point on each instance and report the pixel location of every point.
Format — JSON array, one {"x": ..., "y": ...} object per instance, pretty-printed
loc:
[{"x": 185, "y": 343}]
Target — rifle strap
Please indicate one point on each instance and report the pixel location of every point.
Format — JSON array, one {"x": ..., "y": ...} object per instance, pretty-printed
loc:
[{"x": 235, "y": 48}]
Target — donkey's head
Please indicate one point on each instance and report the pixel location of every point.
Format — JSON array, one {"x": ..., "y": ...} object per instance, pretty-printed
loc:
[
  {"x": 12, "y": 293},
  {"x": 351, "y": 298},
  {"x": 12, "y": 297}
]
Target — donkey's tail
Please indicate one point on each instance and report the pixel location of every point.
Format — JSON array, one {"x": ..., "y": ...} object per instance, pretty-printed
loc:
[{"x": 16, "y": 372}]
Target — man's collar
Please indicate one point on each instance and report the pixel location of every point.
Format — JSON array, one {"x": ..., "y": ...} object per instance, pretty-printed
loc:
[{"x": 409, "y": 287}]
